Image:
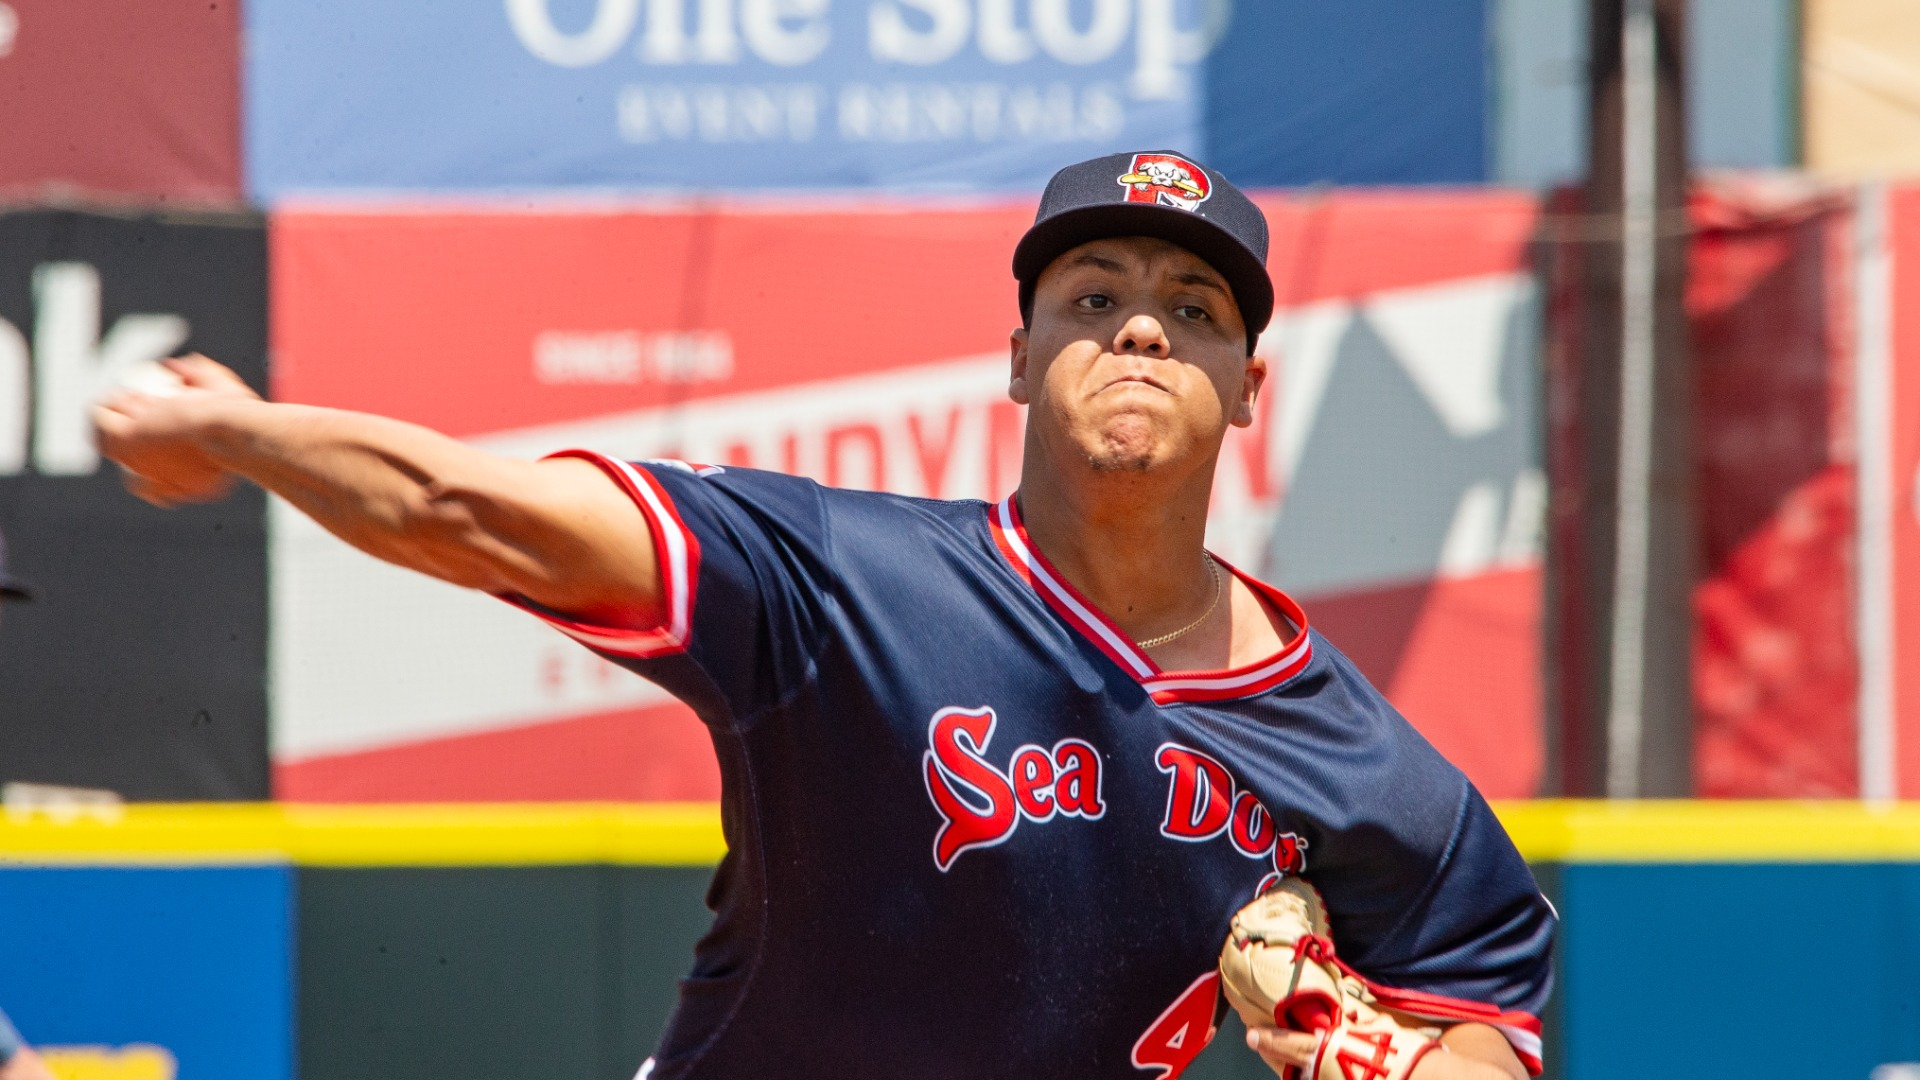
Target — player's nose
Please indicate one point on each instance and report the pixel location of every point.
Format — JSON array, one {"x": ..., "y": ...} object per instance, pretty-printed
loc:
[{"x": 1142, "y": 335}]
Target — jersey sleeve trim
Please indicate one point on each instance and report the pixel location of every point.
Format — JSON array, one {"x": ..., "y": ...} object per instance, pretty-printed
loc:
[
  {"x": 1521, "y": 1029},
  {"x": 1165, "y": 687},
  {"x": 677, "y": 551}
]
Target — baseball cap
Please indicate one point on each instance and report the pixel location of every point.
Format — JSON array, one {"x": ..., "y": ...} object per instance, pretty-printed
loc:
[
  {"x": 11, "y": 588},
  {"x": 1156, "y": 193}
]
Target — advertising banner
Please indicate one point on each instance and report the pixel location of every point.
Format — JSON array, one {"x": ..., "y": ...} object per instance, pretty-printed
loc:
[
  {"x": 140, "y": 665},
  {"x": 696, "y": 95},
  {"x": 1377, "y": 93},
  {"x": 111, "y": 97},
  {"x": 151, "y": 974},
  {"x": 1391, "y": 481}
]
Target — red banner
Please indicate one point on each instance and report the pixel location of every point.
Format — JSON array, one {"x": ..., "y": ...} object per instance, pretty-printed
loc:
[
  {"x": 1391, "y": 482},
  {"x": 124, "y": 98},
  {"x": 1769, "y": 298}
]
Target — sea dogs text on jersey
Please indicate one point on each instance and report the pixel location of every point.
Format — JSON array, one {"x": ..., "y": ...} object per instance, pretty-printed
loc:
[
  {"x": 1203, "y": 802},
  {"x": 980, "y": 803}
]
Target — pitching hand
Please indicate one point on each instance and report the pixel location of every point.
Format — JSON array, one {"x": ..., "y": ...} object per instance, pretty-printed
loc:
[{"x": 159, "y": 442}]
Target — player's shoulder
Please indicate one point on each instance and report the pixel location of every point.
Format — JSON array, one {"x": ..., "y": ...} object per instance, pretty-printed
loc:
[{"x": 1347, "y": 707}]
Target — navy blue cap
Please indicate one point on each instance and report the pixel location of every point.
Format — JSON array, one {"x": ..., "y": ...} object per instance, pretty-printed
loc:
[
  {"x": 11, "y": 588},
  {"x": 1161, "y": 194}
]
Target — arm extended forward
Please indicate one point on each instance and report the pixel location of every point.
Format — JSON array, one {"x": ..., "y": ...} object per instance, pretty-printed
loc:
[{"x": 559, "y": 533}]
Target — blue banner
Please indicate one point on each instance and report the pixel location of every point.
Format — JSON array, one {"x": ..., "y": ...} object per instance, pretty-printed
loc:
[
  {"x": 153, "y": 974},
  {"x": 702, "y": 95},
  {"x": 1374, "y": 92}
]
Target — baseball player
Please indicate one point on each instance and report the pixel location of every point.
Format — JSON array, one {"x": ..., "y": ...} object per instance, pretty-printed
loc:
[{"x": 996, "y": 776}]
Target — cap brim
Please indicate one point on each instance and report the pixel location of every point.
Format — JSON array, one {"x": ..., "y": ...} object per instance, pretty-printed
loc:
[
  {"x": 14, "y": 590},
  {"x": 1061, "y": 233}
]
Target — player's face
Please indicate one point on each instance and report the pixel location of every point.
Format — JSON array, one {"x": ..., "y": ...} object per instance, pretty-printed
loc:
[{"x": 1135, "y": 358}]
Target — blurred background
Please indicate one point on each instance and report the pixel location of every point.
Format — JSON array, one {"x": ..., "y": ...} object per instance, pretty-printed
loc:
[{"x": 1594, "y": 440}]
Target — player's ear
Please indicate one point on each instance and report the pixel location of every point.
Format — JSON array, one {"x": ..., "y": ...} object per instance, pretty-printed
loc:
[
  {"x": 1017, "y": 382},
  {"x": 1251, "y": 382}
]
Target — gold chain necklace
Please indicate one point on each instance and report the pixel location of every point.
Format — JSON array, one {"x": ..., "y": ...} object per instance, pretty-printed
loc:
[{"x": 1212, "y": 568}]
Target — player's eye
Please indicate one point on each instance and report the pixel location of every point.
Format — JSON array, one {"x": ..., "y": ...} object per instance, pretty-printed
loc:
[
  {"x": 1194, "y": 312},
  {"x": 1096, "y": 301}
]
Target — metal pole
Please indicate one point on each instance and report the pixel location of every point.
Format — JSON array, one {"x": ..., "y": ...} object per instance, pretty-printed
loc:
[
  {"x": 1873, "y": 408},
  {"x": 1638, "y": 274}
]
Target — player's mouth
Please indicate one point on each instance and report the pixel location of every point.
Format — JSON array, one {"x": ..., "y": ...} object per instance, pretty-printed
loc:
[{"x": 1142, "y": 379}]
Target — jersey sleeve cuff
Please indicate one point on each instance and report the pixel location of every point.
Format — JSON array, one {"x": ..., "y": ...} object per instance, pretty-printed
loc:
[{"x": 676, "y": 550}]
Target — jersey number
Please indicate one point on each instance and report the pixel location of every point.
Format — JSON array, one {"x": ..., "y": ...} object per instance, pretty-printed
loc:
[{"x": 1178, "y": 1035}]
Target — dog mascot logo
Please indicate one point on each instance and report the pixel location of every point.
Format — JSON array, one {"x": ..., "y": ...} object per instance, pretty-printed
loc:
[{"x": 1166, "y": 180}]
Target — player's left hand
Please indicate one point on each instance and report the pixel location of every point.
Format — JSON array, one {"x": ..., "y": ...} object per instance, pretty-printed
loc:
[
  {"x": 1283, "y": 1050},
  {"x": 158, "y": 440}
]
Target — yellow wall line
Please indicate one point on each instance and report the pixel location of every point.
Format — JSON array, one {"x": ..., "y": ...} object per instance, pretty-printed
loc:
[
  {"x": 480, "y": 834},
  {"x": 688, "y": 834},
  {"x": 1713, "y": 832}
]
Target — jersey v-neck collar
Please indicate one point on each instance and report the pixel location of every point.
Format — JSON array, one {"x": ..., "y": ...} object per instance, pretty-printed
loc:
[{"x": 1165, "y": 687}]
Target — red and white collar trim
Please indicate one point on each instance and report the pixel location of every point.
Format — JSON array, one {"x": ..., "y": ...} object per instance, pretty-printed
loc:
[
  {"x": 678, "y": 552},
  {"x": 1166, "y": 687}
]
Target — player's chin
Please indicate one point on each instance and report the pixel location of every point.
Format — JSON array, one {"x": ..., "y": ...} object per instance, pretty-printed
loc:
[{"x": 1129, "y": 448}]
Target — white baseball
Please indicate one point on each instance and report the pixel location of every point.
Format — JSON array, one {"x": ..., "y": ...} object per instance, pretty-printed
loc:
[{"x": 152, "y": 378}]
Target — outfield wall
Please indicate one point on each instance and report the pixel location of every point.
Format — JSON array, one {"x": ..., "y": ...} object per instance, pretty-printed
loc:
[{"x": 505, "y": 941}]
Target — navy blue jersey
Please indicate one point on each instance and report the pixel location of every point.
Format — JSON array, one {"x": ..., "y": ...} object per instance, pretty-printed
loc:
[{"x": 974, "y": 831}]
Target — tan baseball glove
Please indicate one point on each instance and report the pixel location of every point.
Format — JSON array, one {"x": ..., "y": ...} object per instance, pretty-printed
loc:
[{"x": 1278, "y": 969}]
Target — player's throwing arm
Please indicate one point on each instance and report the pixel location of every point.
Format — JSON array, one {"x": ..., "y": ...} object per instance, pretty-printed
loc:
[{"x": 555, "y": 532}]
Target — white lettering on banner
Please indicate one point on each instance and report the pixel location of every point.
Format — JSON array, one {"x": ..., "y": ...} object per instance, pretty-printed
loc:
[
  {"x": 913, "y": 33},
  {"x": 72, "y": 366},
  {"x": 1053, "y": 26},
  {"x": 720, "y": 114},
  {"x": 628, "y": 356},
  {"x": 892, "y": 38},
  {"x": 9, "y": 29},
  {"x": 1000, "y": 40},
  {"x": 665, "y": 41},
  {"x": 765, "y": 26},
  {"x": 982, "y": 112},
  {"x": 1164, "y": 50},
  {"x": 533, "y": 24}
]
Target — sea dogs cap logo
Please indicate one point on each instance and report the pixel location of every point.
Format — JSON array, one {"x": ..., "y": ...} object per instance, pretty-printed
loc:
[{"x": 1166, "y": 180}]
